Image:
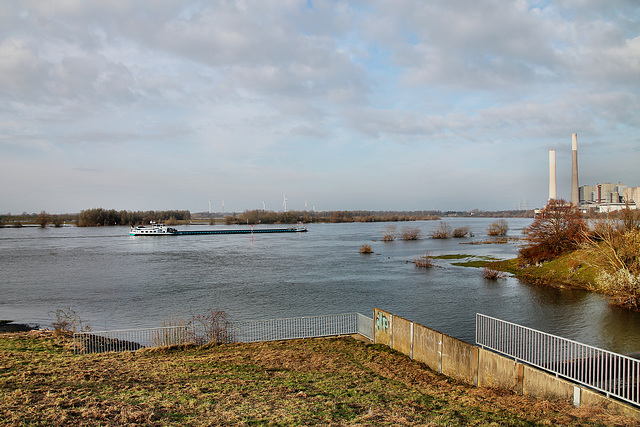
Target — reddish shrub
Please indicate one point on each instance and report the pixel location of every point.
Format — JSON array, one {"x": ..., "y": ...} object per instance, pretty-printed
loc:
[{"x": 559, "y": 228}]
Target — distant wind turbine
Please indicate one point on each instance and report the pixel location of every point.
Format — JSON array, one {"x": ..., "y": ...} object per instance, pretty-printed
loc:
[
  {"x": 264, "y": 207},
  {"x": 284, "y": 203}
]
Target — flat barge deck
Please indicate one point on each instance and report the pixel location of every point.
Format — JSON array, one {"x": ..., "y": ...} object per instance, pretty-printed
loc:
[{"x": 243, "y": 231}]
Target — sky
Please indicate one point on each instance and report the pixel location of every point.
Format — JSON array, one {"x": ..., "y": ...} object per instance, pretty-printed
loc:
[{"x": 335, "y": 105}]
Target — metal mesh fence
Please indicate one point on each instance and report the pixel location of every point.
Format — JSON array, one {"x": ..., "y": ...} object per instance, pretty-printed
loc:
[
  {"x": 614, "y": 374},
  {"x": 248, "y": 331}
]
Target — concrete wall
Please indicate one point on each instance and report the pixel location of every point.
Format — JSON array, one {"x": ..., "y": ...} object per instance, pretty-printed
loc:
[
  {"x": 382, "y": 327},
  {"x": 426, "y": 347},
  {"x": 541, "y": 384},
  {"x": 402, "y": 331},
  {"x": 499, "y": 371},
  {"x": 482, "y": 367},
  {"x": 459, "y": 359}
]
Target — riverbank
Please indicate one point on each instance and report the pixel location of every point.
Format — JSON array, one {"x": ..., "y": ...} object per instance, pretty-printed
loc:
[
  {"x": 569, "y": 270},
  {"x": 338, "y": 381}
]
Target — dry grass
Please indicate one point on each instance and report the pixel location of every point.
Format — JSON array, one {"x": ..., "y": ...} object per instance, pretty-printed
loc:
[{"x": 299, "y": 382}]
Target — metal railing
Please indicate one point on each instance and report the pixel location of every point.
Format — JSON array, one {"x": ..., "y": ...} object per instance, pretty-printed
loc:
[
  {"x": 614, "y": 374},
  {"x": 242, "y": 331}
]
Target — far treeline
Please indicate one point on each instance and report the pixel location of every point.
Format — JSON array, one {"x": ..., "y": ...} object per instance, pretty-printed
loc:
[
  {"x": 270, "y": 217},
  {"x": 96, "y": 217}
]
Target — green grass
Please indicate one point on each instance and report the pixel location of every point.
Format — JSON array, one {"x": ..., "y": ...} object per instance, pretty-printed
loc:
[
  {"x": 557, "y": 272},
  {"x": 338, "y": 381}
]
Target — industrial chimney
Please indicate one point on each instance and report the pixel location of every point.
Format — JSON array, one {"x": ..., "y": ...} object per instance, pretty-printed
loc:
[
  {"x": 552, "y": 175},
  {"x": 575, "y": 195}
]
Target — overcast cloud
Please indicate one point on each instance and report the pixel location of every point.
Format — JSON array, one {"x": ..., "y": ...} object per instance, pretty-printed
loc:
[{"x": 376, "y": 105}]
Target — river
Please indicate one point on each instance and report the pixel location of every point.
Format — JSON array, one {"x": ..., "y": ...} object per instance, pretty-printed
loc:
[{"x": 114, "y": 281}]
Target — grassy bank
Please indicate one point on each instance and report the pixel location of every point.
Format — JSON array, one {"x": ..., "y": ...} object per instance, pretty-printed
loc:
[
  {"x": 568, "y": 270},
  {"x": 316, "y": 381}
]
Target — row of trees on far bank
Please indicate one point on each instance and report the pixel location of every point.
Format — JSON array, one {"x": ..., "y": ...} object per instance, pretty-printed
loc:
[
  {"x": 290, "y": 217},
  {"x": 96, "y": 217},
  {"x": 99, "y": 216}
]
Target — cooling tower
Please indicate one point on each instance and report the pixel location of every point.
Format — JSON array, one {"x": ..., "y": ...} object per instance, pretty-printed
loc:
[
  {"x": 552, "y": 174},
  {"x": 575, "y": 195}
]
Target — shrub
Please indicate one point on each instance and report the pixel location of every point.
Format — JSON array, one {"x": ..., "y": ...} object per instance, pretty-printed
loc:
[
  {"x": 410, "y": 233},
  {"x": 624, "y": 285},
  {"x": 366, "y": 249},
  {"x": 67, "y": 323},
  {"x": 389, "y": 233},
  {"x": 498, "y": 228},
  {"x": 558, "y": 229},
  {"x": 462, "y": 232},
  {"x": 213, "y": 327},
  {"x": 43, "y": 219},
  {"x": 491, "y": 274},
  {"x": 442, "y": 232},
  {"x": 424, "y": 261},
  {"x": 614, "y": 250}
]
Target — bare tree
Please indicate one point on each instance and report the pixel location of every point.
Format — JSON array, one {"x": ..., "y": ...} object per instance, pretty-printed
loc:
[
  {"x": 42, "y": 219},
  {"x": 559, "y": 228}
]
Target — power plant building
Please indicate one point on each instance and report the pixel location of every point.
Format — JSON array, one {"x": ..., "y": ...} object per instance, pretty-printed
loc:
[
  {"x": 608, "y": 197},
  {"x": 605, "y": 197}
]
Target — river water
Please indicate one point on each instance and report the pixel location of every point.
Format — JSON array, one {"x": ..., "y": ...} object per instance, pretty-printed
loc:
[{"x": 115, "y": 281}]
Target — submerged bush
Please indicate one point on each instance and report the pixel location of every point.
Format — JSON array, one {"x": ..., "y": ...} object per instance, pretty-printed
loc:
[
  {"x": 442, "y": 232},
  {"x": 389, "y": 233},
  {"x": 491, "y": 274},
  {"x": 462, "y": 232},
  {"x": 366, "y": 249},
  {"x": 498, "y": 228},
  {"x": 410, "y": 233},
  {"x": 424, "y": 261}
]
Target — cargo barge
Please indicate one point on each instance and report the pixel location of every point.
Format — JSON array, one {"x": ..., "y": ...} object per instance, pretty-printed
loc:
[{"x": 155, "y": 229}]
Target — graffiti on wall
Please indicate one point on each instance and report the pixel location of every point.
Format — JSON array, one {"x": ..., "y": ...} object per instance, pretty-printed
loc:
[{"x": 382, "y": 323}]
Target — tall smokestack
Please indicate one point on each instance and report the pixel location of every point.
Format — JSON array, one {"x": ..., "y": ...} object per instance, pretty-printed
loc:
[
  {"x": 575, "y": 197},
  {"x": 552, "y": 174}
]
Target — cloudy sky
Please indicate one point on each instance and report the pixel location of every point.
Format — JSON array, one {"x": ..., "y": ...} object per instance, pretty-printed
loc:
[{"x": 381, "y": 105}]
